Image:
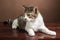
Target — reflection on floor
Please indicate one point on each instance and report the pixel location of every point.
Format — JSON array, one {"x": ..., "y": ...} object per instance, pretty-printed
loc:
[{"x": 6, "y": 33}]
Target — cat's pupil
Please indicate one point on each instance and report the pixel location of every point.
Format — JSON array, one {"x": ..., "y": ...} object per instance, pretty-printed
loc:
[{"x": 28, "y": 14}]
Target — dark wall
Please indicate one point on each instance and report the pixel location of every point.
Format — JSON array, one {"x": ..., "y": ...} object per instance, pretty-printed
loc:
[{"x": 49, "y": 9}]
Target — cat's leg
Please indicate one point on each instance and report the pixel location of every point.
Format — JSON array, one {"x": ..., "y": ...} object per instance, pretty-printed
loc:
[
  {"x": 46, "y": 30},
  {"x": 30, "y": 31},
  {"x": 15, "y": 24}
]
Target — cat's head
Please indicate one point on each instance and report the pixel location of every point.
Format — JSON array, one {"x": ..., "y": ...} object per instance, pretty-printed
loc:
[{"x": 30, "y": 13}]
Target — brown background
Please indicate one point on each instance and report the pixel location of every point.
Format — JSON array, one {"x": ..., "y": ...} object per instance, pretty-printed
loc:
[{"x": 50, "y": 9}]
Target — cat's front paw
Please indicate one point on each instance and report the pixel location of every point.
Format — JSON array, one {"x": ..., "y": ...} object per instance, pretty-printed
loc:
[
  {"x": 31, "y": 34},
  {"x": 14, "y": 27},
  {"x": 52, "y": 33}
]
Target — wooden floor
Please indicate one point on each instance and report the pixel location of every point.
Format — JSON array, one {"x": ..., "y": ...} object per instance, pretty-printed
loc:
[{"x": 6, "y": 33}]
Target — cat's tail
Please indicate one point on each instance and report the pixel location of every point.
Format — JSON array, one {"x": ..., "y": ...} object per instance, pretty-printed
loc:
[{"x": 8, "y": 21}]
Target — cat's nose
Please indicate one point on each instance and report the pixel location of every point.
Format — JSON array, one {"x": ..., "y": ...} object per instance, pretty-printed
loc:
[{"x": 25, "y": 18}]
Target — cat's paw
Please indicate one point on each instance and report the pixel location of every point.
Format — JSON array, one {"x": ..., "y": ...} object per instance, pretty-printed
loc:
[
  {"x": 14, "y": 27},
  {"x": 52, "y": 33},
  {"x": 31, "y": 34}
]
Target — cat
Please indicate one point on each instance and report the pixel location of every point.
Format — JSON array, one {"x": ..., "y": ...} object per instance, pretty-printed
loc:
[{"x": 31, "y": 21}]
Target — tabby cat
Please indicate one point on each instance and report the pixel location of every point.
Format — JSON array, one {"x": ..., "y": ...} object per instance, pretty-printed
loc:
[{"x": 31, "y": 21}]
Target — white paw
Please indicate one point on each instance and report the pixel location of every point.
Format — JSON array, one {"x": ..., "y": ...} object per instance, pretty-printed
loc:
[
  {"x": 31, "y": 34},
  {"x": 52, "y": 33},
  {"x": 14, "y": 27}
]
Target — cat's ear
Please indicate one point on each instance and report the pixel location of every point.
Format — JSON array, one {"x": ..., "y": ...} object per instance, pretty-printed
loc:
[
  {"x": 36, "y": 10},
  {"x": 24, "y": 6}
]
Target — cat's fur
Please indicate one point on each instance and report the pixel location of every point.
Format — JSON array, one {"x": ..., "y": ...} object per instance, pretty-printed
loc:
[{"x": 33, "y": 22}]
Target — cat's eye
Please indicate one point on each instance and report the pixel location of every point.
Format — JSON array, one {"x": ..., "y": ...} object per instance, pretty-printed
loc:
[{"x": 28, "y": 14}]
